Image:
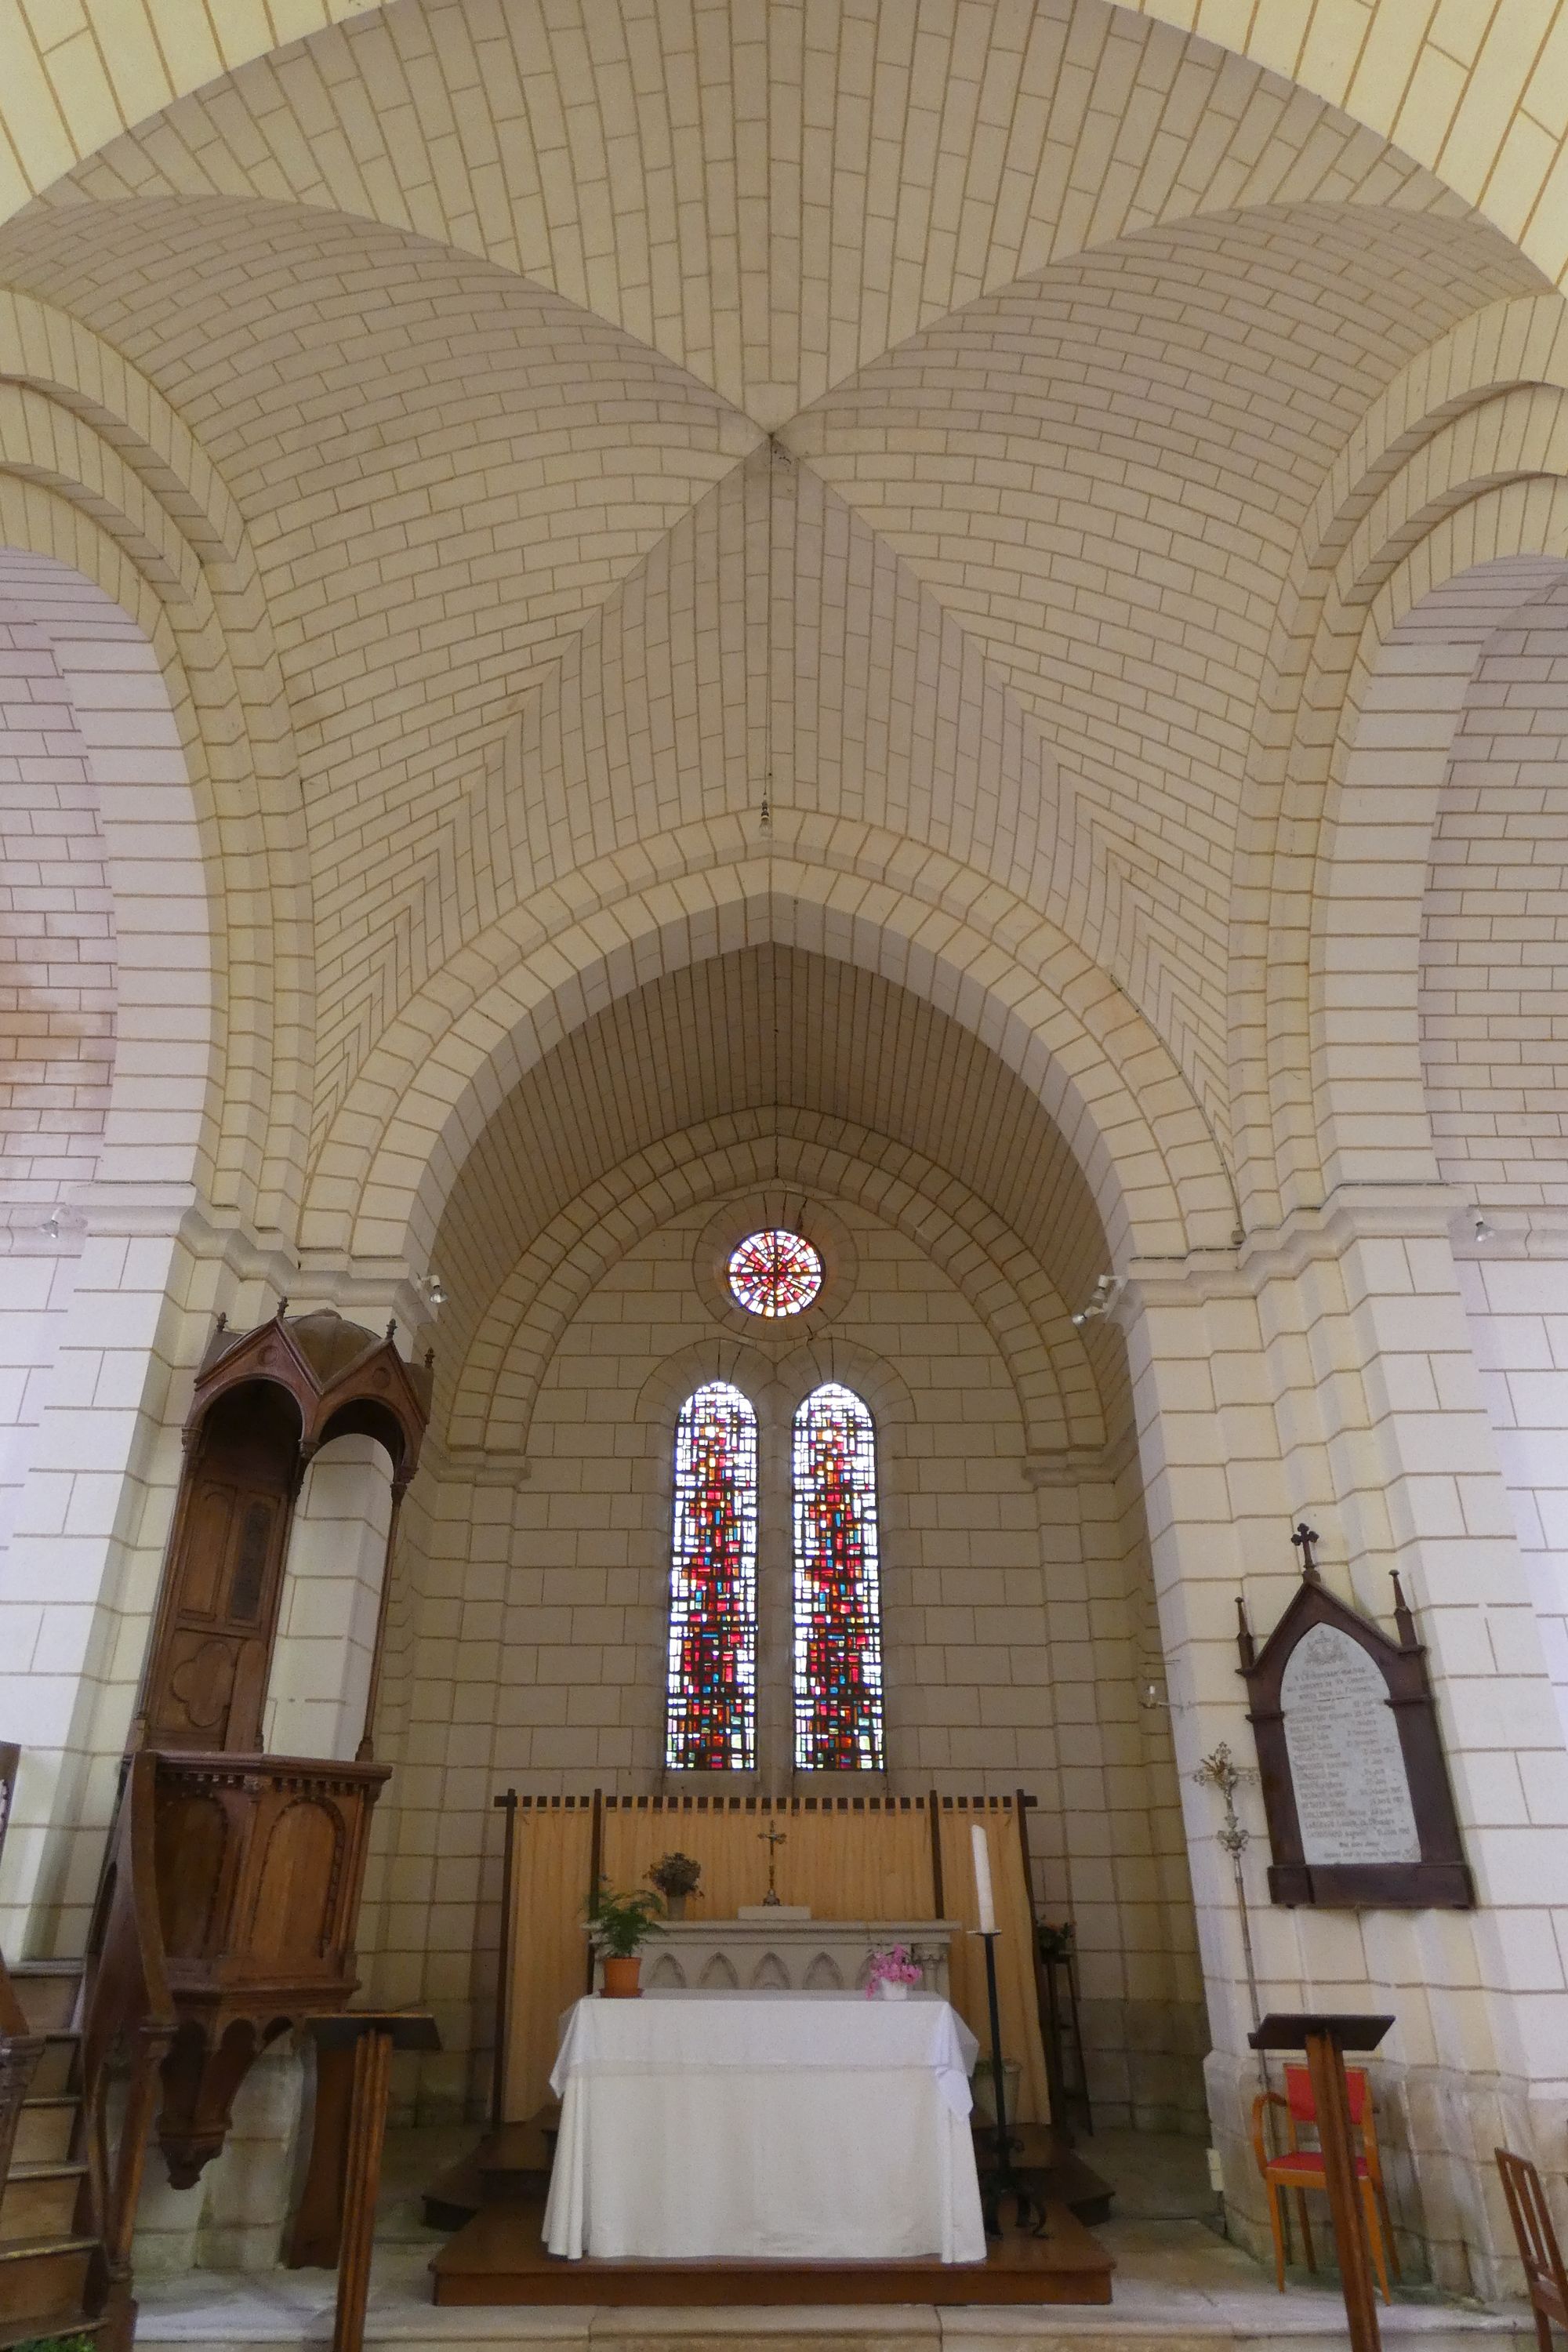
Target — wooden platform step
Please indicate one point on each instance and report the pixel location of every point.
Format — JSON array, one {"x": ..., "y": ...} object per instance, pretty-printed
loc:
[
  {"x": 38, "y": 2200},
  {"x": 499, "y": 2258},
  {"x": 39, "y": 2276},
  {"x": 48, "y": 1991},
  {"x": 47, "y": 2325},
  {"x": 44, "y": 2128}
]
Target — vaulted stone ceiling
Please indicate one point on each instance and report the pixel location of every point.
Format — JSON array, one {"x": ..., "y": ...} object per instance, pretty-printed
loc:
[{"x": 484, "y": 312}]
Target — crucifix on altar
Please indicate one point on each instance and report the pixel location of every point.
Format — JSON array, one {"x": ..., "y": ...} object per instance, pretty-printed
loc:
[{"x": 772, "y": 1839}]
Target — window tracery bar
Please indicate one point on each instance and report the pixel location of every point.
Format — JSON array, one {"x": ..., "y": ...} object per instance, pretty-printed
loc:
[
  {"x": 711, "y": 1703},
  {"x": 837, "y": 1596}
]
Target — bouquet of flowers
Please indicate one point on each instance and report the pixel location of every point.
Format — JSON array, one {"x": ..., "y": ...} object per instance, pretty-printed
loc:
[{"x": 892, "y": 1965}]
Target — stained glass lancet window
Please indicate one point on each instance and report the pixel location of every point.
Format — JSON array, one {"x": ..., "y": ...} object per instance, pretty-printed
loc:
[
  {"x": 837, "y": 1599},
  {"x": 711, "y": 1708},
  {"x": 774, "y": 1272}
]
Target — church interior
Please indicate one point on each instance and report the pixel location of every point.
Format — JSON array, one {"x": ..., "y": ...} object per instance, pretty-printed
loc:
[{"x": 783, "y": 1082}]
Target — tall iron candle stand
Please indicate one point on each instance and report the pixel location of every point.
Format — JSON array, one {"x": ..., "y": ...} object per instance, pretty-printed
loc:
[{"x": 1003, "y": 2181}]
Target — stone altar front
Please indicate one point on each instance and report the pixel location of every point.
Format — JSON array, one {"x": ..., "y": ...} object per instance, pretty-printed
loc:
[{"x": 789, "y": 1954}]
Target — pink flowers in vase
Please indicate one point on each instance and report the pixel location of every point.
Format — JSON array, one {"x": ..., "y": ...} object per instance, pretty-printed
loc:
[{"x": 892, "y": 1974}]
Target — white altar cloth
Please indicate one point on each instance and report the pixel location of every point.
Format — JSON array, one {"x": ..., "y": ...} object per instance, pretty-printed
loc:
[{"x": 765, "y": 2126}]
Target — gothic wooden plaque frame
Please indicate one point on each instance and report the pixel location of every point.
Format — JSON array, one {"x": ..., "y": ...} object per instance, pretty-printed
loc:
[{"x": 1441, "y": 1879}]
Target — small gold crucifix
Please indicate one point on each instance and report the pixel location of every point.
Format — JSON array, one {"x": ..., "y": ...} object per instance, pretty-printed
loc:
[{"x": 772, "y": 1839}]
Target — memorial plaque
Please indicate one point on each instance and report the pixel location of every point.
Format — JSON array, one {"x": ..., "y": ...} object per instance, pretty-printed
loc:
[
  {"x": 1350, "y": 1758},
  {"x": 1352, "y": 1799}
]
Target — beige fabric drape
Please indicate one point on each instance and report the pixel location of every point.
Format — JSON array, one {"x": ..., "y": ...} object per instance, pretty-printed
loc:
[
  {"x": 1015, "y": 1950},
  {"x": 842, "y": 1865},
  {"x": 549, "y": 1955}
]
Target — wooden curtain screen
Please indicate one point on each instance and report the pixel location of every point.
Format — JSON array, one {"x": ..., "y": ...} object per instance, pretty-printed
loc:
[{"x": 845, "y": 1858}]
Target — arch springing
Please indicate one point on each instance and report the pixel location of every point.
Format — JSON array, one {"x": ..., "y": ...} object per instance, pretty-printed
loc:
[
  {"x": 837, "y": 1595},
  {"x": 711, "y": 1720}
]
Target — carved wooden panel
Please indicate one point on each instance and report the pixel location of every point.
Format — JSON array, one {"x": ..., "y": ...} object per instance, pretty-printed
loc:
[{"x": 207, "y": 1678}]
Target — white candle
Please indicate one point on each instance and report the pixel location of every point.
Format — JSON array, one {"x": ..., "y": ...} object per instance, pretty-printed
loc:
[{"x": 985, "y": 1902}]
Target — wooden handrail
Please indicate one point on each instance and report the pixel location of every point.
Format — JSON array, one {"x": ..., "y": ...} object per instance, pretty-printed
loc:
[{"x": 128, "y": 2013}]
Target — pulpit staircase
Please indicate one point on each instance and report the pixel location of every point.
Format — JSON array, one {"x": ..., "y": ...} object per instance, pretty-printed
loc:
[{"x": 52, "y": 2272}]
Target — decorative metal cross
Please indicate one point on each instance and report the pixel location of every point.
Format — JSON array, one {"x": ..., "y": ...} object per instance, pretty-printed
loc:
[
  {"x": 1304, "y": 1537},
  {"x": 772, "y": 1839}
]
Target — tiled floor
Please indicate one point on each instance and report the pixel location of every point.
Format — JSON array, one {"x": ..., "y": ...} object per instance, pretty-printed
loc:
[{"x": 1178, "y": 2285}]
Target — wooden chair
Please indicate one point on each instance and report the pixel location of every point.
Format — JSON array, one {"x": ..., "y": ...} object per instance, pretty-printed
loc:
[
  {"x": 1301, "y": 2169},
  {"x": 1537, "y": 2240}
]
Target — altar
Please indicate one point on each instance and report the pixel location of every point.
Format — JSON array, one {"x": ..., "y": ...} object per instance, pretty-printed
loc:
[
  {"x": 765, "y": 2127},
  {"x": 754, "y": 2100}
]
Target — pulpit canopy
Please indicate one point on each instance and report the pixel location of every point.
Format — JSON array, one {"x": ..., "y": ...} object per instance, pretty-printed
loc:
[{"x": 345, "y": 1382}]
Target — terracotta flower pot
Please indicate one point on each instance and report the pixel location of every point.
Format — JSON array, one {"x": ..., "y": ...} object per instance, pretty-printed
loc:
[{"x": 621, "y": 1977}]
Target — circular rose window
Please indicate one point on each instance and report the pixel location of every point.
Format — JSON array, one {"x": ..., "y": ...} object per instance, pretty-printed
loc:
[{"x": 774, "y": 1272}]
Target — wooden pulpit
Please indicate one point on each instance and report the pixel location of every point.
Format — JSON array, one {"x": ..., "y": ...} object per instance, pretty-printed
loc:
[{"x": 1325, "y": 2036}]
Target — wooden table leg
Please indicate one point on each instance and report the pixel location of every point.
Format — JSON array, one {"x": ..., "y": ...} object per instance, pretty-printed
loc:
[
  {"x": 361, "y": 2184},
  {"x": 1326, "y": 2066}
]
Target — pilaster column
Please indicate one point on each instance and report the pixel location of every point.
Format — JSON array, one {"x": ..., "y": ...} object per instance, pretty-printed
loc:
[{"x": 1329, "y": 1372}]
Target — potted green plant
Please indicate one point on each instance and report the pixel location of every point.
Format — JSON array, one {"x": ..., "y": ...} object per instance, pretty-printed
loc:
[
  {"x": 676, "y": 1875},
  {"x": 622, "y": 1925}
]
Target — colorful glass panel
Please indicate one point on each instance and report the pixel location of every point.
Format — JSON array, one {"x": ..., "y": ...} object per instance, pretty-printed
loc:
[
  {"x": 774, "y": 1272},
  {"x": 837, "y": 1598},
  {"x": 711, "y": 1714}
]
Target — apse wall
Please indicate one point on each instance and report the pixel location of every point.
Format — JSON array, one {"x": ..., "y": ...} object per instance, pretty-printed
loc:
[{"x": 1016, "y": 1615}]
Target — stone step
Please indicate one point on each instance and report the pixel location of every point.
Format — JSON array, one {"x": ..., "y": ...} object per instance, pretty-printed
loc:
[{"x": 38, "y": 2200}]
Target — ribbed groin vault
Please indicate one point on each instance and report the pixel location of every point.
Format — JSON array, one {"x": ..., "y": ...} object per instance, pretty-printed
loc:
[{"x": 627, "y": 621}]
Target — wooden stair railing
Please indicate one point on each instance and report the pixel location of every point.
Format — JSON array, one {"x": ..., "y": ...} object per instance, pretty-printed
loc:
[
  {"x": 53, "y": 2276},
  {"x": 129, "y": 2024}
]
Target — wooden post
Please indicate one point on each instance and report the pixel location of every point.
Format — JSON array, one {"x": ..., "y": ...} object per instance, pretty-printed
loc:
[
  {"x": 367, "y": 2038},
  {"x": 938, "y": 1893},
  {"x": 362, "y": 2186},
  {"x": 503, "y": 1961},
  {"x": 595, "y": 1862},
  {"x": 1325, "y": 2039}
]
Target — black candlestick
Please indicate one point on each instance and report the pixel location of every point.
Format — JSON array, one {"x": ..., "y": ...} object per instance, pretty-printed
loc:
[{"x": 1001, "y": 2181}]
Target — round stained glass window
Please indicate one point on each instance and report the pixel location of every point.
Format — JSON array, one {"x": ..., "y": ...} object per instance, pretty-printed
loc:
[{"x": 774, "y": 1272}]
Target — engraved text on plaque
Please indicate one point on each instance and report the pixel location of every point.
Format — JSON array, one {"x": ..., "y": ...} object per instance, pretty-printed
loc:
[{"x": 1352, "y": 1794}]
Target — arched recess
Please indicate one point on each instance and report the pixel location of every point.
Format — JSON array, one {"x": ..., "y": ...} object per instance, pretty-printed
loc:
[
  {"x": 1482, "y": 407},
  {"x": 1016, "y": 1298},
  {"x": 322, "y": 1657},
  {"x": 1418, "y": 652},
  {"x": 107, "y": 1059},
  {"x": 117, "y": 787},
  {"x": 1480, "y": 484},
  {"x": 1101, "y": 1073},
  {"x": 97, "y": 472}
]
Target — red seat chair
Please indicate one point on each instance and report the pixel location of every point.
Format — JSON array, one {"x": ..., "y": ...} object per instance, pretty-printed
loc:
[
  {"x": 1301, "y": 2167},
  {"x": 1537, "y": 2241}
]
